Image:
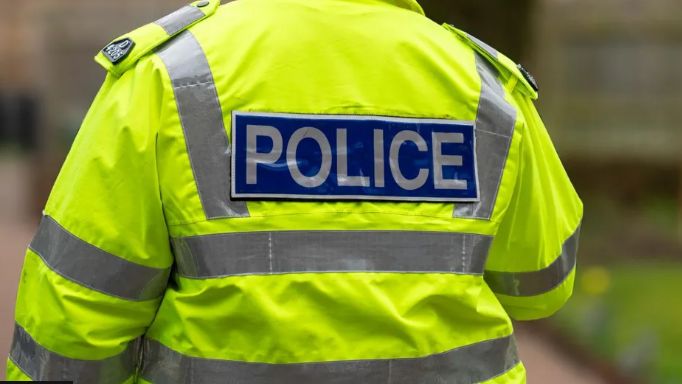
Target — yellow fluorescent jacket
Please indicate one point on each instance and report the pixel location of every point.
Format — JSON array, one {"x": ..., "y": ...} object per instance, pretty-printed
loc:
[{"x": 144, "y": 269}]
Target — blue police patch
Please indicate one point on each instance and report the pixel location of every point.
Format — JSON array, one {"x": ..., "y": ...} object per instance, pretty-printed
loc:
[{"x": 352, "y": 157}]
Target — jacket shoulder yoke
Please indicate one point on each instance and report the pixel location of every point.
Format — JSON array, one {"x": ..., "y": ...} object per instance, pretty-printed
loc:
[
  {"x": 124, "y": 52},
  {"x": 512, "y": 74}
]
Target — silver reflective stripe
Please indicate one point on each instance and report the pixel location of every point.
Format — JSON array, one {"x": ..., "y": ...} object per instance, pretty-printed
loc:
[
  {"x": 41, "y": 364},
  {"x": 468, "y": 364},
  {"x": 490, "y": 50},
  {"x": 85, "y": 264},
  {"x": 180, "y": 19},
  {"x": 202, "y": 122},
  {"x": 536, "y": 282},
  {"x": 329, "y": 251},
  {"x": 494, "y": 129}
]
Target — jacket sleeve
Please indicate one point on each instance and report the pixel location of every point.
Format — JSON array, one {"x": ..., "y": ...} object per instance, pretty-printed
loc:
[
  {"x": 96, "y": 270},
  {"x": 531, "y": 266}
]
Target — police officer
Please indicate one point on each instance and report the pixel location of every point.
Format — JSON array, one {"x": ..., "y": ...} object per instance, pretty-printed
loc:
[{"x": 292, "y": 191}]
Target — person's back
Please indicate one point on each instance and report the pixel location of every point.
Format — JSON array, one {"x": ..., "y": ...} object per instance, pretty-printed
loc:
[{"x": 352, "y": 193}]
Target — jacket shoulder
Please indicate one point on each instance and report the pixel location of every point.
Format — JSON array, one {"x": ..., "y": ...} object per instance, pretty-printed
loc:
[
  {"x": 126, "y": 50},
  {"x": 517, "y": 77}
]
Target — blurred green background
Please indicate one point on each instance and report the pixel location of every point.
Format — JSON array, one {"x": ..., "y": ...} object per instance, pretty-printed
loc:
[{"x": 610, "y": 73}]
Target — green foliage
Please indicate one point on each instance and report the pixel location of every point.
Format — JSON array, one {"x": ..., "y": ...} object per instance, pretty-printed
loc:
[{"x": 633, "y": 318}]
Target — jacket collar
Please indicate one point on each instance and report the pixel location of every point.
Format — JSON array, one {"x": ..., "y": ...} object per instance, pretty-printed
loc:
[{"x": 412, "y": 5}]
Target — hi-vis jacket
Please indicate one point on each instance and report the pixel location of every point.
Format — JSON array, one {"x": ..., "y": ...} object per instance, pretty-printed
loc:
[{"x": 296, "y": 191}]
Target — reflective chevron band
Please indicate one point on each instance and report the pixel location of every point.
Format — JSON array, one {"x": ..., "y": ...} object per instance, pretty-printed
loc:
[
  {"x": 201, "y": 118},
  {"x": 495, "y": 121},
  {"x": 40, "y": 364},
  {"x": 468, "y": 364},
  {"x": 228, "y": 254},
  {"x": 536, "y": 282},
  {"x": 87, "y": 265}
]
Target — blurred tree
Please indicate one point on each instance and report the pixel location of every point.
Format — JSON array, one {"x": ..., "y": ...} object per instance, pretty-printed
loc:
[
  {"x": 18, "y": 120},
  {"x": 505, "y": 25}
]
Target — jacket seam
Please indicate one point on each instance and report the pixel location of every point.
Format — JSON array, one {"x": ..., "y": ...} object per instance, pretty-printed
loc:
[{"x": 179, "y": 224}]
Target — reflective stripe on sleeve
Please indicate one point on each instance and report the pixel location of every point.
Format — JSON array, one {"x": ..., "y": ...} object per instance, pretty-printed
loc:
[
  {"x": 85, "y": 264},
  {"x": 536, "y": 282},
  {"x": 180, "y": 19},
  {"x": 468, "y": 364},
  {"x": 39, "y": 363},
  {"x": 329, "y": 251},
  {"x": 201, "y": 117},
  {"x": 495, "y": 121}
]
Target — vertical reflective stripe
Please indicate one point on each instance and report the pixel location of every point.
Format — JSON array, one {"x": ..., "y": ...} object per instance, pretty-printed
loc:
[
  {"x": 202, "y": 122},
  {"x": 468, "y": 364},
  {"x": 180, "y": 19},
  {"x": 537, "y": 282},
  {"x": 330, "y": 251},
  {"x": 494, "y": 129},
  {"x": 41, "y": 364},
  {"x": 87, "y": 265}
]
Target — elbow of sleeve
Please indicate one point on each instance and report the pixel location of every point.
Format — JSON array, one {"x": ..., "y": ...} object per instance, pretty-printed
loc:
[
  {"x": 14, "y": 373},
  {"x": 79, "y": 317},
  {"x": 541, "y": 305},
  {"x": 537, "y": 294}
]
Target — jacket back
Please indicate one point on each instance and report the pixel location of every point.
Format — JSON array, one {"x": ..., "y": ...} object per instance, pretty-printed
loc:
[{"x": 149, "y": 263}]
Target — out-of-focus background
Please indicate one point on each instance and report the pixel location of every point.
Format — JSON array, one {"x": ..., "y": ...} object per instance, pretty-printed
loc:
[{"x": 610, "y": 73}]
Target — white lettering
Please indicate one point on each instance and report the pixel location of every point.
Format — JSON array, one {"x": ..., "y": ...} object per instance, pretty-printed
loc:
[
  {"x": 440, "y": 160},
  {"x": 325, "y": 151},
  {"x": 342, "y": 178},
  {"x": 394, "y": 156},
  {"x": 253, "y": 157},
  {"x": 379, "y": 158}
]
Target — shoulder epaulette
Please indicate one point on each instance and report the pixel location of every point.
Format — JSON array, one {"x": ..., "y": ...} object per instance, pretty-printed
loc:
[
  {"x": 512, "y": 73},
  {"x": 123, "y": 52}
]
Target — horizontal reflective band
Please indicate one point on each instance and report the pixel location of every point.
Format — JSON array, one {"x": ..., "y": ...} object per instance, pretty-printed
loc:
[
  {"x": 329, "y": 251},
  {"x": 202, "y": 123},
  {"x": 469, "y": 364},
  {"x": 41, "y": 364},
  {"x": 536, "y": 282},
  {"x": 94, "y": 268},
  {"x": 180, "y": 19}
]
